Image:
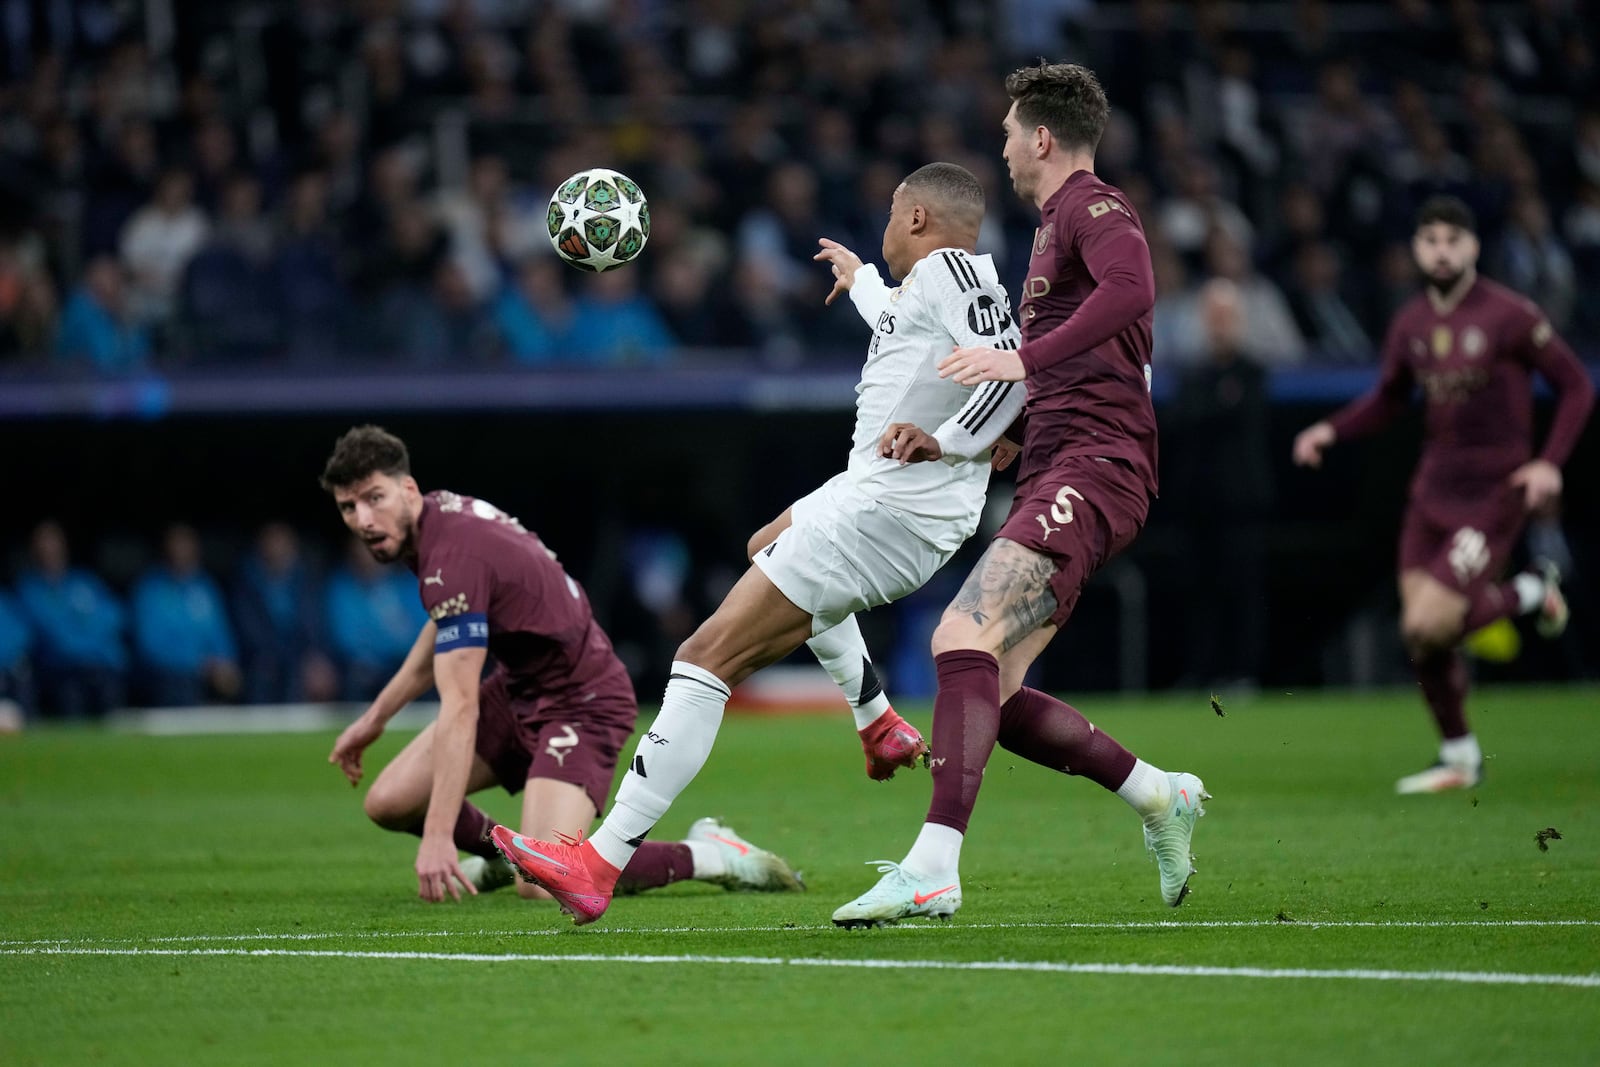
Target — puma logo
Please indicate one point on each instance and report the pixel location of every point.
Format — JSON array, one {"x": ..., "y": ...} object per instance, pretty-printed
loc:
[
  {"x": 1048, "y": 529},
  {"x": 560, "y": 746},
  {"x": 437, "y": 577}
]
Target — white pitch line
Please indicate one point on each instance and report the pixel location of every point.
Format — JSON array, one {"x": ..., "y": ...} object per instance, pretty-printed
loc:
[
  {"x": 1581, "y": 981},
  {"x": 1151, "y": 924}
]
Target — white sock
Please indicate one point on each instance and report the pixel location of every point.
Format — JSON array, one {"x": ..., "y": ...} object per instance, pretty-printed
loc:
[
  {"x": 1461, "y": 751},
  {"x": 666, "y": 761},
  {"x": 1147, "y": 789},
  {"x": 708, "y": 861},
  {"x": 1530, "y": 592},
  {"x": 843, "y": 654},
  {"x": 936, "y": 852}
]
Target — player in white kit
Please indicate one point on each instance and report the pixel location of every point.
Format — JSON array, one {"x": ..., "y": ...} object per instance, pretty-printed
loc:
[{"x": 870, "y": 535}]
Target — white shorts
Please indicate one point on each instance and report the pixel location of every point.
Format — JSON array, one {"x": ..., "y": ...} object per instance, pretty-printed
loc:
[{"x": 846, "y": 552}]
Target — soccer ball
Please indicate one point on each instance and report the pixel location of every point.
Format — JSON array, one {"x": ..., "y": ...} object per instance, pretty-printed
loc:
[{"x": 598, "y": 219}]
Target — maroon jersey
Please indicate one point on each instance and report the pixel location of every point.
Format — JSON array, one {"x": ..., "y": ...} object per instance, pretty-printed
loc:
[
  {"x": 1085, "y": 315},
  {"x": 487, "y": 582},
  {"x": 1474, "y": 365}
]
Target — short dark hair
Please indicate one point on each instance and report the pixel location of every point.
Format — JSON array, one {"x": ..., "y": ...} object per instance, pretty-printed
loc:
[
  {"x": 362, "y": 452},
  {"x": 953, "y": 186},
  {"x": 1450, "y": 210},
  {"x": 1064, "y": 98}
]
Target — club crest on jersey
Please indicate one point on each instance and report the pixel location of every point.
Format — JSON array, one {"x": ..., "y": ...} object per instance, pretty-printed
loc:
[
  {"x": 1041, "y": 238},
  {"x": 1473, "y": 342}
]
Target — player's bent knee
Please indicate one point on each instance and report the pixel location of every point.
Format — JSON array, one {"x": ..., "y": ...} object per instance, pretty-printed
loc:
[
  {"x": 1428, "y": 632},
  {"x": 955, "y": 633},
  {"x": 389, "y": 810}
]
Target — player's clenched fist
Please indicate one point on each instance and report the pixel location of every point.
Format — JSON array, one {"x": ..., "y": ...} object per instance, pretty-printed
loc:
[
  {"x": 845, "y": 264},
  {"x": 1310, "y": 442},
  {"x": 908, "y": 443}
]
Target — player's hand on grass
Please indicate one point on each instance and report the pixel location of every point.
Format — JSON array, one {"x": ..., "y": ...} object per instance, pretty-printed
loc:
[
  {"x": 1310, "y": 443},
  {"x": 907, "y": 443},
  {"x": 1540, "y": 482},
  {"x": 845, "y": 264},
  {"x": 969, "y": 366},
  {"x": 1003, "y": 453},
  {"x": 347, "y": 750},
  {"x": 439, "y": 870}
]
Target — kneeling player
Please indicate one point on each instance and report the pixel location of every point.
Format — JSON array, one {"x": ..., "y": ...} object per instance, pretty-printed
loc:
[{"x": 551, "y": 716}]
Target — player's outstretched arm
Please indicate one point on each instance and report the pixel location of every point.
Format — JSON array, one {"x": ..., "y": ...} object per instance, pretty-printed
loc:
[
  {"x": 456, "y": 673},
  {"x": 414, "y": 678},
  {"x": 850, "y": 275}
]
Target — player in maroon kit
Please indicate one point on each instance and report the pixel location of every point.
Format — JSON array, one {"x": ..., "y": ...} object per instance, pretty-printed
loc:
[
  {"x": 1471, "y": 345},
  {"x": 550, "y": 717},
  {"x": 1087, "y": 475}
]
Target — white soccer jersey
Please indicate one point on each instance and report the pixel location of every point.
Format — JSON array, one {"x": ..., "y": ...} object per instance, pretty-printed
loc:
[{"x": 949, "y": 298}]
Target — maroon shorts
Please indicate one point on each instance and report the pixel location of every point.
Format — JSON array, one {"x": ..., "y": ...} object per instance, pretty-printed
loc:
[
  {"x": 1464, "y": 544},
  {"x": 1080, "y": 512},
  {"x": 578, "y": 743}
]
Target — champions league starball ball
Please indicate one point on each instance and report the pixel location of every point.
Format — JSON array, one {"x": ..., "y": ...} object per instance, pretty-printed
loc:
[{"x": 598, "y": 219}]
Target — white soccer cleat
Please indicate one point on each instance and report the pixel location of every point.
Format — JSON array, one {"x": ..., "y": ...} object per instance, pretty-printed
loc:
[
  {"x": 1440, "y": 778},
  {"x": 488, "y": 875},
  {"x": 901, "y": 894},
  {"x": 1551, "y": 621},
  {"x": 1167, "y": 835},
  {"x": 749, "y": 866}
]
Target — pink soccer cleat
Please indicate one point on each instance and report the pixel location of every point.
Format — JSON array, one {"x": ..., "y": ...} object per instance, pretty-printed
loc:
[
  {"x": 565, "y": 869},
  {"x": 891, "y": 743}
]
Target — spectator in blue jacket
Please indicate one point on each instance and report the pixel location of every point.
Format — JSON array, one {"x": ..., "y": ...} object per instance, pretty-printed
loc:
[
  {"x": 78, "y": 624},
  {"x": 616, "y": 324},
  {"x": 374, "y": 614},
  {"x": 96, "y": 327},
  {"x": 181, "y": 634},
  {"x": 277, "y": 608},
  {"x": 16, "y": 675}
]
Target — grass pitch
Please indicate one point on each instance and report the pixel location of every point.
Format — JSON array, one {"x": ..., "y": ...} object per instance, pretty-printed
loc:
[{"x": 223, "y": 900}]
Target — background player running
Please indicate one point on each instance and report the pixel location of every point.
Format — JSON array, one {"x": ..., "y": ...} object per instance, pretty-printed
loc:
[
  {"x": 1472, "y": 346},
  {"x": 547, "y": 721},
  {"x": 868, "y": 536},
  {"x": 1084, "y": 487}
]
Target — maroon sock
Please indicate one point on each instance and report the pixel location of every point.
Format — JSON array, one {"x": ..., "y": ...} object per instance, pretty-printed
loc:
[
  {"x": 1488, "y": 603},
  {"x": 472, "y": 832},
  {"x": 966, "y": 721},
  {"x": 1040, "y": 728},
  {"x": 1443, "y": 678},
  {"x": 655, "y": 864}
]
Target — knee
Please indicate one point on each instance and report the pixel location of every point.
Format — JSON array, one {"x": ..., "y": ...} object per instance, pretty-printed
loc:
[
  {"x": 388, "y": 809},
  {"x": 951, "y": 635},
  {"x": 1428, "y": 632}
]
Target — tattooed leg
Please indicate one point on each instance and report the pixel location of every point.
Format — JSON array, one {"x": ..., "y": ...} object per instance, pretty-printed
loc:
[{"x": 1005, "y": 598}]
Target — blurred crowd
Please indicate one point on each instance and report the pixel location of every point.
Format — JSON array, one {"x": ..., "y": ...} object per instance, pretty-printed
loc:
[
  {"x": 186, "y": 620},
  {"x": 277, "y": 631},
  {"x": 250, "y": 181}
]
